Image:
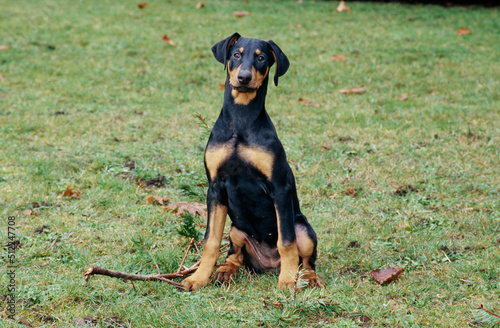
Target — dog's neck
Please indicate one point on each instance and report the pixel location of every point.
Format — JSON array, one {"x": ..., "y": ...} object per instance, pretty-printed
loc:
[{"x": 237, "y": 114}]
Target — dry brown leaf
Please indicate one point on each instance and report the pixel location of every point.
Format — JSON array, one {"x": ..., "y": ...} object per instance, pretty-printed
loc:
[
  {"x": 74, "y": 193},
  {"x": 193, "y": 208},
  {"x": 159, "y": 200},
  {"x": 338, "y": 58},
  {"x": 463, "y": 31},
  {"x": 142, "y": 5},
  {"x": 309, "y": 103},
  {"x": 241, "y": 13},
  {"x": 200, "y": 5},
  {"x": 403, "y": 98},
  {"x": 277, "y": 304},
  {"x": 326, "y": 146},
  {"x": 353, "y": 90},
  {"x": 4, "y": 47},
  {"x": 27, "y": 212},
  {"x": 168, "y": 40},
  {"x": 383, "y": 276},
  {"x": 351, "y": 191},
  {"x": 342, "y": 7}
]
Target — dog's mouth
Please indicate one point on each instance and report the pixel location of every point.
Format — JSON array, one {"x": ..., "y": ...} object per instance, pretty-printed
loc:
[{"x": 242, "y": 88}]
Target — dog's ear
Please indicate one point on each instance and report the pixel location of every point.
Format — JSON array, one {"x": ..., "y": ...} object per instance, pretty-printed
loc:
[
  {"x": 281, "y": 60},
  {"x": 221, "y": 48}
]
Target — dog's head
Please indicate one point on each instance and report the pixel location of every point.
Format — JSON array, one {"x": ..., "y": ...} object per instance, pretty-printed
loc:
[{"x": 248, "y": 61}]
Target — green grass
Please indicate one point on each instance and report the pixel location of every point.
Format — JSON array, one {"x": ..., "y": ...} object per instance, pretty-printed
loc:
[{"x": 88, "y": 86}]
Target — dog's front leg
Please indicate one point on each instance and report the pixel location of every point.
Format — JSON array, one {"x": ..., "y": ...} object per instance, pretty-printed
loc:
[
  {"x": 287, "y": 243},
  {"x": 215, "y": 228}
]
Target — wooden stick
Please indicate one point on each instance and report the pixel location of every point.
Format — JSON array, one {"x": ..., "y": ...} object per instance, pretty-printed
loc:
[
  {"x": 185, "y": 255},
  {"x": 481, "y": 307}
]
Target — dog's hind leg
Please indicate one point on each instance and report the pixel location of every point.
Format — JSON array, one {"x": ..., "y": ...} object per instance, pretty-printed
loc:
[
  {"x": 306, "y": 243},
  {"x": 234, "y": 260}
]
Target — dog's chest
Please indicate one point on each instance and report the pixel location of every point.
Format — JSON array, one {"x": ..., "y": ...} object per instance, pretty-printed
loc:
[{"x": 237, "y": 154}]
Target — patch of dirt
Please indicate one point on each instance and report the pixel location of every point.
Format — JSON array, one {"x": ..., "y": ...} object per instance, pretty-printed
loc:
[
  {"x": 157, "y": 182},
  {"x": 353, "y": 244},
  {"x": 404, "y": 190},
  {"x": 41, "y": 229}
]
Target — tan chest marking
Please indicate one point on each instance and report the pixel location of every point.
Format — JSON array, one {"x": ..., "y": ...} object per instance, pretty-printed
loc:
[
  {"x": 214, "y": 157},
  {"x": 259, "y": 158}
]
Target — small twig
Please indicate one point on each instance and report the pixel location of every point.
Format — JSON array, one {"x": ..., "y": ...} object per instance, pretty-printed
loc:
[
  {"x": 196, "y": 246},
  {"x": 481, "y": 307},
  {"x": 135, "y": 290},
  {"x": 132, "y": 276},
  {"x": 185, "y": 255},
  {"x": 202, "y": 120},
  {"x": 223, "y": 249},
  {"x": 265, "y": 303}
]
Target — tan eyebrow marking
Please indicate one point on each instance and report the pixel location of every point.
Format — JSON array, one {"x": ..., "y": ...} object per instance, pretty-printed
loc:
[
  {"x": 241, "y": 49},
  {"x": 258, "y": 51}
]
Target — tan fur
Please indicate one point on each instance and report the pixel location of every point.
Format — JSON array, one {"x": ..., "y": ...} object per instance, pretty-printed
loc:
[
  {"x": 289, "y": 254},
  {"x": 210, "y": 250},
  {"x": 241, "y": 49},
  {"x": 258, "y": 52},
  {"x": 244, "y": 98},
  {"x": 214, "y": 157},
  {"x": 234, "y": 261},
  {"x": 306, "y": 249},
  {"x": 259, "y": 158}
]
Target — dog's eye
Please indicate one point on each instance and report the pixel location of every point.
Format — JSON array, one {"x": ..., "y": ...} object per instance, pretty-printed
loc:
[
  {"x": 237, "y": 55},
  {"x": 261, "y": 58}
]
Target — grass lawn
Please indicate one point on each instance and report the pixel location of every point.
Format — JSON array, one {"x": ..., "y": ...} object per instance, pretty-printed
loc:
[{"x": 406, "y": 173}]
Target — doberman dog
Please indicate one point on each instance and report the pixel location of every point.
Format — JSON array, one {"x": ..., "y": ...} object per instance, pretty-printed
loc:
[{"x": 249, "y": 177}]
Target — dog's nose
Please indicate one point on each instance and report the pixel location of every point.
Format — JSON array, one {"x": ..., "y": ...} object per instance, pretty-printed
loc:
[{"x": 244, "y": 77}]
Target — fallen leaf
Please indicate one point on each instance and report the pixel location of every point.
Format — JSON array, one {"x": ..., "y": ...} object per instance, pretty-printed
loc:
[
  {"x": 342, "y": 7},
  {"x": 27, "y": 212},
  {"x": 383, "y": 276},
  {"x": 309, "y": 103},
  {"x": 403, "y": 98},
  {"x": 4, "y": 47},
  {"x": 221, "y": 86},
  {"x": 353, "y": 90},
  {"x": 142, "y": 5},
  {"x": 193, "y": 208},
  {"x": 351, "y": 191},
  {"x": 159, "y": 200},
  {"x": 168, "y": 40},
  {"x": 463, "y": 31},
  {"x": 74, "y": 193},
  {"x": 277, "y": 304},
  {"x": 200, "y": 5},
  {"x": 241, "y": 13},
  {"x": 326, "y": 146},
  {"x": 338, "y": 58}
]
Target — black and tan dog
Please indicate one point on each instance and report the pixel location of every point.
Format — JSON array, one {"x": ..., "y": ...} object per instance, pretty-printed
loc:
[{"x": 249, "y": 177}]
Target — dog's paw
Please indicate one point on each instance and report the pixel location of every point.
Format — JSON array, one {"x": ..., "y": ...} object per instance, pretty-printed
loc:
[
  {"x": 193, "y": 283},
  {"x": 316, "y": 282},
  {"x": 286, "y": 281},
  {"x": 225, "y": 273}
]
